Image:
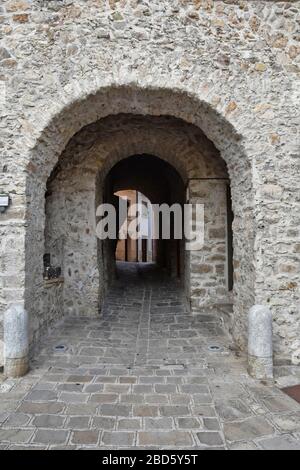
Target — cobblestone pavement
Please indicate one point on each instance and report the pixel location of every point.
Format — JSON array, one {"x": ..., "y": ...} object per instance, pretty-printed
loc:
[{"x": 142, "y": 376}]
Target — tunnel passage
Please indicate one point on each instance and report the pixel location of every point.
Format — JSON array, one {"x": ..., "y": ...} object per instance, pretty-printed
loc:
[
  {"x": 167, "y": 160},
  {"x": 160, "y": 183}
]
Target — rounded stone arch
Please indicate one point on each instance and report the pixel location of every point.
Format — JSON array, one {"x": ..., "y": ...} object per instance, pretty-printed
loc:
[
  {"x": 87, "y": 103},
  {"x": 183, "y": 146}
]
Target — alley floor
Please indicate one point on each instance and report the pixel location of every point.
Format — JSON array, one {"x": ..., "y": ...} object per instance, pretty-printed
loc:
[{"x": 146, "y": 374}]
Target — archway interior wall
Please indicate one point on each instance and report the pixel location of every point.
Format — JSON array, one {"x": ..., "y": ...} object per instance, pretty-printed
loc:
[{"x": 74, "y": 186}]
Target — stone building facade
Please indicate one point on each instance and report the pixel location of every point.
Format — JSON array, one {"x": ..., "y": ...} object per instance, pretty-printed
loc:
[{"x": 211, "y": 87}]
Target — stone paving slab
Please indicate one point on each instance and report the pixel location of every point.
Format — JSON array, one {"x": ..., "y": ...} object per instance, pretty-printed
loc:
[{"x": 142, "y": 376}]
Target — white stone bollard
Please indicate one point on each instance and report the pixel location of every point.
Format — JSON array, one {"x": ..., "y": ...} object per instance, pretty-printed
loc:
[
  {"x": 260, "y": 343},
  {"x": 16, "y": 344},
  {"x": 1, "y": 353}
]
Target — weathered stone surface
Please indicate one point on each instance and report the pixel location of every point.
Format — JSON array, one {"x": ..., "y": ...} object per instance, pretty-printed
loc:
[
  {"x": 260, "y": 342},
  {"x": 118, "y": 438},
  {"x": 48, "y": 421},
  {"x": 4, "y": 53},
  {"x": 15, "y": 436},
  {"x": 46, "y": 436},
  {"x": 16, "y": 341},
  {"x": 231, "y": 410},
  {"x": 129, "y": 424},
  {"x": 164, "y": 438},
  {"x": 210, "y": 438},
  {"x": 85, "y": 437},
  {"x": 280, "y": 443},
  {"x": 249, "y": 428},
  {"x": 287, "y": 423}
]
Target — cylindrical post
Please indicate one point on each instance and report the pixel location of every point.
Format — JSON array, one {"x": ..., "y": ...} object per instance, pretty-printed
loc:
[
  {"x": 16, "y": 344},
  {"x": 1, "y": 353},
  {"x": 260, "y": 343}
]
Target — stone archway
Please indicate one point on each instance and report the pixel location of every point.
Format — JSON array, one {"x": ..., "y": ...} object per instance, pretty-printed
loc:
[
  {"x": 82, "y": 109},
  {"x": 190, "y": 152}
]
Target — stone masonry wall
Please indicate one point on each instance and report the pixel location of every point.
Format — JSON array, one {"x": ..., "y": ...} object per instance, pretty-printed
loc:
[
  {"x": 208, "y": 266},
  {"x": 229, "y": 67}
]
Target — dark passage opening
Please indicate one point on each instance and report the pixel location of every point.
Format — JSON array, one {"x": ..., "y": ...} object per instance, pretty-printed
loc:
[{"x": 146, "y": 180}]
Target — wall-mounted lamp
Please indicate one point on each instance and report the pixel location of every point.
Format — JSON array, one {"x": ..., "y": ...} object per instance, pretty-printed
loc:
[{"x": 4, "y": 202}]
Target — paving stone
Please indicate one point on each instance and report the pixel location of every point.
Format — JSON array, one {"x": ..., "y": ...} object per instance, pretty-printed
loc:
[
  {"x": 165, "y": 438},
  {"x": 128, "y": 380},
  {"x": 51, "y": 436},
  {"x": 247, "y": 429},
  {"x": 170, "y": 410},
  {"x": 158, "y": 423},
  {"x": 81, "y": 409},
  {"x": 3, "y": 416},
  {"x": 129, "y": 424},
  {"x": 78, "y": 422},
  {"x": 118, "y": 438},
  {"x": 243, "y": 446},
  {"x": 69, "y": 397},
  {"x": 101, "y": 422},
  {"x": 15, "y": 435},
  {"x": 189, "y": 423},
  {"x": 145, "y": 410},
  {"x": 156, "y": 398},
  {"x": 48, "y": 421},
  {"x": 105, "y": 379},
  {"x": 284, "y": 442},
  {"x": 174, "y": 380},
  {"x": 202, "y": 399},
  {"x": 180, "y": 399},
  {"x": 103, "y": 398},
  {"x": 93, "y": 388},
  {"x": 142, "y": 389},
  {"x": 40, "y": 408},
  {"x": 42, "y": 395},
  {"x": 82, "y": 379},
  {"x": 196, "y": 380},
  {"x": 210, "y": 438},
  {"x": 44, "y": 386},
  {"x": 27, "y": 447},
  {"x": 89, "y": 437},
  {"x": 231, "y": 410},
  {"x": 70, "y": 387},
  {"x": 17, "y": 419},
  {"x": 165, "y": 388},
  {"x": 194, "y": 388},
  {"x": 278, "y": 404},
  {"x": 203, "y": 410},
  {"x": 115, "y": 410},
  {"x": 63, "y": 447},
  {"x": 116, "y": 388},
  {"x": 211, "y": 424},
  {"x": 151, "y": 380},
  {"x": 287, "y": 423}
]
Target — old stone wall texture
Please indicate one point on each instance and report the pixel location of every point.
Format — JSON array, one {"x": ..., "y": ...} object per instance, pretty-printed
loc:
[{"x": 229, "y": 67}]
